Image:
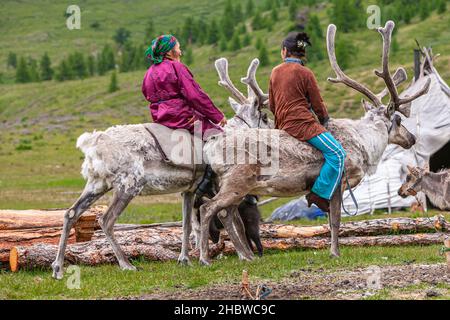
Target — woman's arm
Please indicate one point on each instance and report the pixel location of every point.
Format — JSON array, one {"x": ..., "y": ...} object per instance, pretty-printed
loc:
[
  {"x": 195, "y": 96},
  {"x": 316, "y": 100}
]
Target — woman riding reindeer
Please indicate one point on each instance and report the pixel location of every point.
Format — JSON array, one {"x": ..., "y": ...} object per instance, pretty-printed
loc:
[{"x": 293, "y": 95}]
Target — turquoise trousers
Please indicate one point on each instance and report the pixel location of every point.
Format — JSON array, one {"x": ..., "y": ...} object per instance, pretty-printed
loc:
[{"x": 331, "y": 173}]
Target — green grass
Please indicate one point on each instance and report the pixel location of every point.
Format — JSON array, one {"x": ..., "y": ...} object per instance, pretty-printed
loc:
[{"x": 108, "y": 281}]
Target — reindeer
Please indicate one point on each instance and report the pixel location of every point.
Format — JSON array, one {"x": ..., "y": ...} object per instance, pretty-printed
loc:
[
  {"x": 126, "y": 159},
  {"x": 299, "y": 163},
  {"x": 436, "y": 186}
]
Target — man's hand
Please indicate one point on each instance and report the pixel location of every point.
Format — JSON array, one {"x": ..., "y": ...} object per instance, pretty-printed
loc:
[{"x": 223, "y": 122}]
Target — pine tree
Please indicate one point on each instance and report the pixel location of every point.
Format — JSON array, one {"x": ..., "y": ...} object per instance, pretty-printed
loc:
[
  {"x": 46, "y": 68},
  {"x": 108, "y": 58},
  {"x": 12, "y": 60},
  {"x": 347, "y": 14},
  {"x": 292, "y": 10},
  {"x": 202, "y": 29},
  {"x": 149, "y": 32},
  {"x": 259, "y": 44},
  {"x": 249, "y": 9},
  {"x": 113, "y": 86},
  {"x": 235, "y": 43},
  {"x": 424, "y": 9},
  {"x": 91, "y": 65},
  {"x": 188, "y": 57},
  {"x": 263, "y": 56},
  {"x": 22, "y": 73},
  {"x": 258, "y": 22},
  {"x": 228, "y": 22},
  {"x": 247, "y": 40},
  {"x": 442, "y": 6},
  {"x": 345, "y": 52},
  {"x": 274, "y": 14},
  {"x": 238, "y": 15},
  {"x": 78, "y": 65},
  {"x": 213, "y": 32},
  {"x": 223, "y": 43},
  {"x": 121, "y": 36},
  {"x": 63, "y": 72},
  {"x": 33, "y": 70}
]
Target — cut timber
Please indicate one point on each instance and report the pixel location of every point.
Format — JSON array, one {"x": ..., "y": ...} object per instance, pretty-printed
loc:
[
  {"x": 159, "y": 243},
  {"x": 28, "y": 227},
  {"x": 32, "y": 219},
  {"x": 358, "y": 228}
]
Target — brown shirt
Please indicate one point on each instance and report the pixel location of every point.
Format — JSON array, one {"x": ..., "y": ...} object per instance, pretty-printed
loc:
[{"x": 291, "y": 84}]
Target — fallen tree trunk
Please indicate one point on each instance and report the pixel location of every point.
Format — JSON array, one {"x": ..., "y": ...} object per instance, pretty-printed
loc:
[
  {"x": 29, "y": 227},
  {"x": 164, "y": 244},
  {"x": 33, "y": 219},
  {"x": 359, "y": 228}
]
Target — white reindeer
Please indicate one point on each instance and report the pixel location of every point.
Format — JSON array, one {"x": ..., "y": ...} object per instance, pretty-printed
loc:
[
  {"x": 126, "y": 160},
  {"x": 299, "y": 163}
]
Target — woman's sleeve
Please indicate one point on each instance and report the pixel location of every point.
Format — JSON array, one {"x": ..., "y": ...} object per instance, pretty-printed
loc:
[
  {"x": 317, "y": 103},
  {"x": 195, "y": 96}
]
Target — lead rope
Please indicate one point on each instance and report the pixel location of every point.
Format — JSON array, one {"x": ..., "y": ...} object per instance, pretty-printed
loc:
[{"x": 351, "y": 195}]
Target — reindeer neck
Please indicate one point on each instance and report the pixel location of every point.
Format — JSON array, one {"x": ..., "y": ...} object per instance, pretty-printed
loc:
[
  {"x": 433, "y": 185},
  {"x": 374, "y": 137}
]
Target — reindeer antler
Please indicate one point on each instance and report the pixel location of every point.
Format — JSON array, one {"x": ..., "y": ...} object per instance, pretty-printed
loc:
[
  {"x": 341, "y": 77},
  {"x": 396, "y": 101},
  {"x": 251, "y": 82},
  {"x": 399, "y": 77},
  {"x": 222, "y": 69}
]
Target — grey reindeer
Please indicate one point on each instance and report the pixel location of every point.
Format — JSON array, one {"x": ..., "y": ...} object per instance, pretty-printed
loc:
[
  {"x": 436, "y": 186},
  {"x": 126, "y": 160},
  {"x": 299, "y": 163}
]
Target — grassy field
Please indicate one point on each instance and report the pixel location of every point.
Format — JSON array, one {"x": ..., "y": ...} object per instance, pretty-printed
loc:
[{"x": 39, "y": 124}]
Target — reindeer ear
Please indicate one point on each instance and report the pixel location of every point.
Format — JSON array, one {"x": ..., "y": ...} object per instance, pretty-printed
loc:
[
  {"x": 367, "y": 106},
  {"x": 234, "y": 105},
  {"x": 405, "y": 109}
]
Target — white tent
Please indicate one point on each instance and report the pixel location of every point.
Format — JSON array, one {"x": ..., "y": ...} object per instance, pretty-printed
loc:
[{"x": 430, "y": 123}]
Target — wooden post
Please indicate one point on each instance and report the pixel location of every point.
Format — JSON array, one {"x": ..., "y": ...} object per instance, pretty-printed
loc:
[
  {"x": 447, "y": 253},
  {"x": 84, "y": 228}
]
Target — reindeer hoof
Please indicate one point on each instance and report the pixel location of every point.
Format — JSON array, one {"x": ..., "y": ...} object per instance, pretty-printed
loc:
[
  {"x": 335, "y": 254},
  {"x": 205, "y": 262},
  {"x": 58, "y": 272},
  {"x": 184, "y": 261},
  {"x": 128, "y": 267}
]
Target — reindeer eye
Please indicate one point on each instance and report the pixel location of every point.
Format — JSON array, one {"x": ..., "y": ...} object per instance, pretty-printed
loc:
[{"x": 264, "y": 117}]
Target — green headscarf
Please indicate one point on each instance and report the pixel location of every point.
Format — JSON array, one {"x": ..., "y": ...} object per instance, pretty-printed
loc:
[{"x": 159, "y": 47}]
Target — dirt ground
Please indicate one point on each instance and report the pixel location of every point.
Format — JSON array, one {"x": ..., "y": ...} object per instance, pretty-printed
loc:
[{"x": 411, "y": 281}]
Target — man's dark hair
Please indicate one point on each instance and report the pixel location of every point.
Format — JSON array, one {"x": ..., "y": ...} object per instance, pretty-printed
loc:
[{"x": 296, "y": 43}]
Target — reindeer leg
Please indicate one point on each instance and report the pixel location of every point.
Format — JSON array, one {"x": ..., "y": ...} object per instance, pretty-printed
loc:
[
  {"x": 87, "y": 198},
  {"x": 188, "y": 198},
  {"x": 232, "y": 222},
  {"x": 118, "y": 204},
  {"x": 335, "y": 221}
]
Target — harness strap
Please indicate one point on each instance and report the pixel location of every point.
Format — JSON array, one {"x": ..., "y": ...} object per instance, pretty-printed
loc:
[
  {"x": 168, "y": 161},
  {"x": 158, "y": 146},
  {"x": 351, "y": 194}
]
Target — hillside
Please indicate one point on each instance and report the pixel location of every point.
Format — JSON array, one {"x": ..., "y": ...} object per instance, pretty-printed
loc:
[{"x": 40, "y": 122}]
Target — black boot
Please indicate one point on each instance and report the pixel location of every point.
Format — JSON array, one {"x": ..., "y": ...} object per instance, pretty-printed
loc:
[{"x": 205, "y": 186}]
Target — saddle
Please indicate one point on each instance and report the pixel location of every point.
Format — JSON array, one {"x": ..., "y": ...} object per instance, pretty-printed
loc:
[{"x": 178, "y": 147}]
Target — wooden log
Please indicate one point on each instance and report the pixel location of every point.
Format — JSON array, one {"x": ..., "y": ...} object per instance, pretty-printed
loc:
[
  {"x": 165, "y": 243},
  {"x": 359, "y": 228},
  {"x": 33, "y": 219},
  {"x": 28, "y": 227}
]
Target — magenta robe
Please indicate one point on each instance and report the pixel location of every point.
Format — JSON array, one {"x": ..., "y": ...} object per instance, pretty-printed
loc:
[{"x": 175, "y": 97}]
